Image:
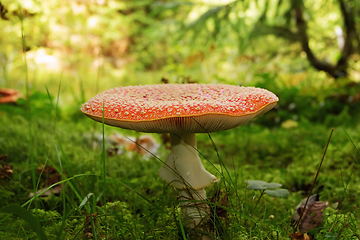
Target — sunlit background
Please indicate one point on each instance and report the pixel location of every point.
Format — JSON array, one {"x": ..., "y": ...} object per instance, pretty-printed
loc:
[{"x": 90, "y": 46}]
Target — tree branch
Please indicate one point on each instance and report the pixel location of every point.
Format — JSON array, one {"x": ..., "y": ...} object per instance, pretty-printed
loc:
[
  {"x": 340, "y": 68},
  {"x": 350, "y": 34},
  {"x": 304, "y": 40}
]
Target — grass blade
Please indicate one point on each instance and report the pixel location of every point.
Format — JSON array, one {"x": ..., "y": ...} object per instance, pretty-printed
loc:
[
  {"x": 181, "y": 227},
  {"x": 28, "y": 217}
]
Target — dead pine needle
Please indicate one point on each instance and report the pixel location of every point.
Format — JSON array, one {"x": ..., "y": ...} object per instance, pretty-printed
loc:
[{"x": 317, "y": 174}]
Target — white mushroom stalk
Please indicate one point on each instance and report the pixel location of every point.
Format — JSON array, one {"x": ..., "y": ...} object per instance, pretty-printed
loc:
[{"x": 183, "y": 169}]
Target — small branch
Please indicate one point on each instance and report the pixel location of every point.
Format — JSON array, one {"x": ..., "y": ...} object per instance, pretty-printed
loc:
[
  {"x": 340, "y": 68},
  {"x": 262, "y": 192},
  {"x": 3, "y": 12},
  {"x": 350, "y": 30},
  {"x": 317, "y": 174},
  {"x": 304, "y": 40}
]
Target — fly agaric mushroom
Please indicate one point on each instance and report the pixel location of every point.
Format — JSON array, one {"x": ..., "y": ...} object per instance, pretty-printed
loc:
[{"x": 181, "y": 110}]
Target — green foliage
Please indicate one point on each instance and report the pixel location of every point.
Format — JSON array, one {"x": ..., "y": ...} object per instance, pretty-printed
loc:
[
  {"x": 40, "y": 106},
  {"x": 261, "y": 185},
  {"x": 27, "y": 216},
  {"x": 337, "y": 225},
  {"x": 268, "y": 188},
  {"x": 124, "y": 223},
  {"x": 280, "y": 193},
  {"x": 292, "y": 158},
  {"x": 5, "y": 196}
]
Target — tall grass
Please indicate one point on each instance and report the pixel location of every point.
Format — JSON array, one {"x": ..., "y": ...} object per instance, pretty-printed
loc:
[{"x": 151, "y": 208}]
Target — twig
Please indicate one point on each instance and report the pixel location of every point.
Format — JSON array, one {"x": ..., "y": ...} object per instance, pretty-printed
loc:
[
  {"x": 317, "y": 174},
  {"x": 288, "y": 233}
]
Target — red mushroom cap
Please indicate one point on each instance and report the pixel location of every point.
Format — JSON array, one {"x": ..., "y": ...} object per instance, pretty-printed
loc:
[{"x": 176, "y": 108}]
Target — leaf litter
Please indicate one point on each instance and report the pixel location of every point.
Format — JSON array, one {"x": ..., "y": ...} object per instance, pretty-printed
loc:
[
  {"x": 52, "y": 176},
  {"x": 6, "y": 170}
]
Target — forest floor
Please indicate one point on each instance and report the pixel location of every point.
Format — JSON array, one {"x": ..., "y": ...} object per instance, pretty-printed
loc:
[{"x": 100, "y": 194}]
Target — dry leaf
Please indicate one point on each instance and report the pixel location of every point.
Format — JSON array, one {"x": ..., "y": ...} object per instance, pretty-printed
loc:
[
  {"x": 54, "y": 190},
  {"x": 145, "y": 145},
  {"x": 312, "y": 216},
  {"x": 218, "y": 213},
  {"x": 112, "y": 151},
  {"x": 312, "y": 199},
  {"x": 144, "y": 142},
  {"x": 88, "y": 234},
  {"x": 52, "y": 176},
  {"x": 9, "y": 95},
  {"x": 6, "y": 170},
  {"x": 46, "y": 170},
  {"x": 216, "y": 198}
]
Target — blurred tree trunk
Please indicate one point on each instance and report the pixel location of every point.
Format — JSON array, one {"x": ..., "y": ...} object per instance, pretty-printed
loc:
[
  {"x": 339, "y": 69},
  {"x": 289, "y": 23}
]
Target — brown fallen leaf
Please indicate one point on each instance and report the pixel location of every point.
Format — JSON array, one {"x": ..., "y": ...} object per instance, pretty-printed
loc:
[
  {"x": 6, "y": 170},
  {"x": 46, "y": 170},
  {"x": 221, "y": 199},
  {"x": 137, "y": 145},
  {"x": 52, "y": 176},
  {"x": 3, "y": 157},
  {"x": 312, "y": 199},
  {"x": 9, "y": 95},
  {"x": 112, "y": 151},
  {"x": 88, "y": 234},
  {"x": 54, "y": 190},
  {"x": 218, "y": 213},
  {"x": 144, "y": 142},
  {"x": 312, "y": 216}
]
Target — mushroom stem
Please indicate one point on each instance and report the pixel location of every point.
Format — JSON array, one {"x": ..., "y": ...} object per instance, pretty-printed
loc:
[
  {"x": 194, "y": 212},
  {"x": 183, "y": 170}
]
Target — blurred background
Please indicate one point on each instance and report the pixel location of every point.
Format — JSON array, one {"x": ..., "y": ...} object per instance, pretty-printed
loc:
[{"x": 304, "y": 51}]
